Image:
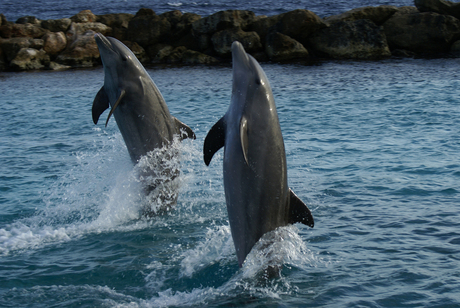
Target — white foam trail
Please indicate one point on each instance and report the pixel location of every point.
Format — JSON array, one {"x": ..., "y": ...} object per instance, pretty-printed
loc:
[{"x": 100, "y": 194}]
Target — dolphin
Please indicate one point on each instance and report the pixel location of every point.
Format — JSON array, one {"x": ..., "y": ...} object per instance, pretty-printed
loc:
[
  {"x": 136, "y": 103},
  {"x": 254, "y": 165}
]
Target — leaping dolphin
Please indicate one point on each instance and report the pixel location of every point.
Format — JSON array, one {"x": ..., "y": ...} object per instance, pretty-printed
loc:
[
  {"x": 137, "y": 105},
  {"x": 255, "y": 174}
]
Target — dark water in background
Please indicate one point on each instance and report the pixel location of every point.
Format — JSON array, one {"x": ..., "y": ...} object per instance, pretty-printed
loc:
[{"x": 54, "y": 9}]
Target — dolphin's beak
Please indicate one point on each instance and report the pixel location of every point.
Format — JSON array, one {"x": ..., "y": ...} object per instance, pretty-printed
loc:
[
  {"x": 239, "y": 55},
  {"x": 102, "y": 42}
]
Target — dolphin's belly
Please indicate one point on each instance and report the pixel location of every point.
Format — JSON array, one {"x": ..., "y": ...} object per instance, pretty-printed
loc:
[{"x": 256, "y": 194}]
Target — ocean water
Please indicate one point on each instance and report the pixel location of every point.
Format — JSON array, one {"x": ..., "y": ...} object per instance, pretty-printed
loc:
[
  {"x": 372, "y": 148},
  {"x": 55, "y": 9}
]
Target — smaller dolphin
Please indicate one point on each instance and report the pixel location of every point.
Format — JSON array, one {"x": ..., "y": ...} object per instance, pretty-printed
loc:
[
  {"x": 255, "y": 173},
  {"x": 137, "y": 105}
]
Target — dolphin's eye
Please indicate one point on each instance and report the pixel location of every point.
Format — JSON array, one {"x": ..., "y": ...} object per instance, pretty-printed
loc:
[{"x": 124, "y": 58}]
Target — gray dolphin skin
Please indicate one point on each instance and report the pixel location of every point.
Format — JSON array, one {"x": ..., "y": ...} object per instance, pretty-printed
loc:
[
  {"x": 137, "y": 105},
  {"x": 255, "y": 174}
]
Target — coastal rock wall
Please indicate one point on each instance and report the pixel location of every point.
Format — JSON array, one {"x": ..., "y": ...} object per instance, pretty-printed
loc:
[{"x": 366, "y": 33}]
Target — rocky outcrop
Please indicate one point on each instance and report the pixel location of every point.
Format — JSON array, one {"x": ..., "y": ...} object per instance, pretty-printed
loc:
[
  {"x": 360, "y": 39},
  {"x": 430, "y": 29},
  {"x": 439, "y": 6},
  {"x": 422, "y": 33},
  {"x": 377, "y": 14}
]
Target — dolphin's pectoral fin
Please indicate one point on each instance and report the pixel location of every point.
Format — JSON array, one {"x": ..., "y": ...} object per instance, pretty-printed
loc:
[
  {"x": 299, "y": 211},
  {"x": 183, "y": 130},
  {"x": 122, "y": 93},
  {"x": 244, "y": 138},
  {"x": 214, "y": 141},
  {"x": 100, "y": 104}
]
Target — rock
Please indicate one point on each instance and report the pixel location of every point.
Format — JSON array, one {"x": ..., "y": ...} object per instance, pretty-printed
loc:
[
  {"x": 195, "y": 57},
  {"x": 12, "y": 46},
  {"x": 21, "y": 30},
  {"x": 147, "y": 28},
  {"x": 57, "y": 67},
  {"x": 455, "y": 49},
  {"x": 223, "y": 20},
  {"x": 54, "y": 42},
  {"x": 222, "y": 41},
  {"x": 169, "y": 54},
  {"x": 264, "y": 25},
  {"x": 82, "y": 52},
  {"x": 280, "y": 47},
  {"x": 57, "y": 25},
  {"x": 181, "y": 32},
  {"x": 117, "y": 22},
  {"x": 439, "y": 6},
  {"x": 299, "y": 24},
  {"x": 84, "y": 16},
  {"x": 28, "y": 20},
  {"x": 138, "y": 51},
  {"x": 3, "y": 20},
  {"x": 360, "y": 39},
  {"x": 2, "y": 59},
  {"x": 30, "y": 59},
  {"x": 377, "y": 15},
  {"x": 173, "y": 17},
  {"x": 422, "y": 33},
  {"x": 160, "y": 52}
]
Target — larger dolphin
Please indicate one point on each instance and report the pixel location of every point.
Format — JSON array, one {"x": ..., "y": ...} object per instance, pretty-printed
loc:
[
  {"x": 255, "y": 174},
  {"x": 137, "y": 105}
]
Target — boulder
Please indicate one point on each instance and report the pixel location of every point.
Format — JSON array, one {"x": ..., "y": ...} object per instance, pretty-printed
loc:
[
  {"x": 137, "y": 50},
  {"x": 264, "y": 25},
  {"x": 422, "y": 33},
  {"x": 82, "y": 51},
  {"x": 280, "y": 47},
  {"x": 21, "y": 30},
  {"x": 299, "y": 24},
  {"x": 12, "y": 46},
  {"x": 147, "y": 28},
  {"x": 181, "y": 31},
  {"x": 377, "y": 15},
  {"x": 117, "y": 22},
  {"x": 57, "y": 67},
  {"x": 222, "y": 41},
  {"x": 57, "y": 25},
  {"x": 169, "y": 54},
  {"x": 3, "y": 20},
  {"x": 195, "y": 57},
  {"x": 223, "y": 20},
  {"x": 439, "y": 6},
  {"x": 54, "y": 42},
  {"x": 28, "y": 20},
  {"x": 160, "y": 52},
  {"x": 2, "y": 59},
  {"x": 84, "y": 16},
  {"x": 30, "y": 59},
  {"x": 360, "y": 39}
]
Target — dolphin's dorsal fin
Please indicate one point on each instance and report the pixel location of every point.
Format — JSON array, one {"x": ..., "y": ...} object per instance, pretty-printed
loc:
[
  {"x": 100, "y": 104},
  {"x": 122, "y": 93},
  {"x": 183, "y": 130},
  {"x": 214, "y": 140},
  {"x": 299, "y": 211},
  {"x": 244, "y": 138}
]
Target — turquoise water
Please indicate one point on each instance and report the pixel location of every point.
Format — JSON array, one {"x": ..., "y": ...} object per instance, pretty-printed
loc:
[{"x": 372, "y": 148}]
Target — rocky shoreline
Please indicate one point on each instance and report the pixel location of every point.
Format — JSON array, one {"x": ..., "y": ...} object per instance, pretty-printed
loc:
[{"x": 429, "y": 29}]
